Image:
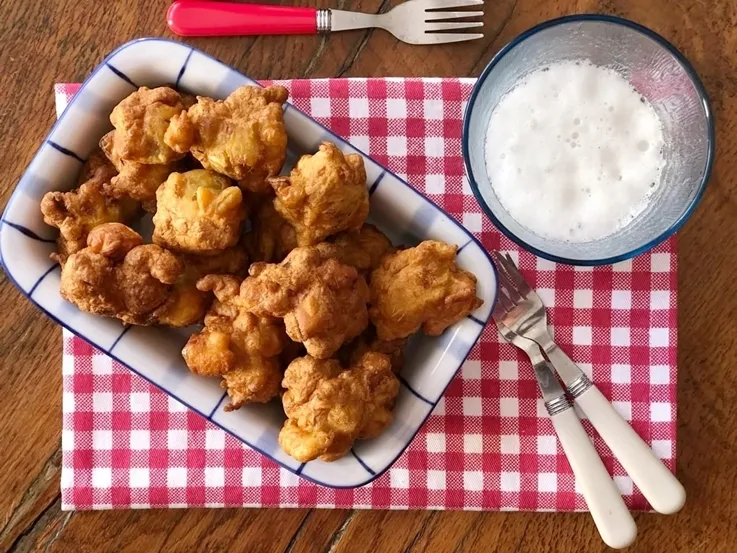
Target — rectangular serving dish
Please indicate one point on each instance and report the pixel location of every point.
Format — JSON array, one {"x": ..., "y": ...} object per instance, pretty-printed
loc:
[{"x": 153, "y": 353}]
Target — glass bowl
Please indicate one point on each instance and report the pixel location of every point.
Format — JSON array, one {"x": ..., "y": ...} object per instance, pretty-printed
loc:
[{"x": 659, "y": 72}]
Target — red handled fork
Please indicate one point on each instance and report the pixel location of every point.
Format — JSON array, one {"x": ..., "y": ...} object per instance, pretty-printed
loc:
[{"x": 414, "y": 21}]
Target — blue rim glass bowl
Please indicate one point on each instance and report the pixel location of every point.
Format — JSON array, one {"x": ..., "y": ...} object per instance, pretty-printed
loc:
[
  {"x": 154, "y": 353},
  {"x": 659, "y": 72}
]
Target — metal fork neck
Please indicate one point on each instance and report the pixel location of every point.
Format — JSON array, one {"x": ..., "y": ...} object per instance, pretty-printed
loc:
[
  {"x": 340, "y": 20},
  {"x": 569, "y": 372}
]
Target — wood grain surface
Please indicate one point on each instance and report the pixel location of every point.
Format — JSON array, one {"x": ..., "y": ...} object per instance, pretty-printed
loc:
[{"x": 47, "y": 41}]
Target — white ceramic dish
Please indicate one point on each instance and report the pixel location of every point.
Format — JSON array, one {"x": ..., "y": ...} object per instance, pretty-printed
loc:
[{"x": 154, "y": 353}]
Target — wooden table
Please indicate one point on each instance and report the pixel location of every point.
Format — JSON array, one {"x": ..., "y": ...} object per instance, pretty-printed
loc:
[{"x": 44, "y": 41}]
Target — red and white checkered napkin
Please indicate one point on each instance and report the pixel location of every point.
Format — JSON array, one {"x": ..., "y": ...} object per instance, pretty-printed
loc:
[{"x": 488, "y": 445}]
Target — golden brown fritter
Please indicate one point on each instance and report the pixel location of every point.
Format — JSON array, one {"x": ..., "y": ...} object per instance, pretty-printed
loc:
[
  {"x": 324, "y": 194},
  {"x": 187, "y": 305},
  {"x": 77, "y": 212},
  {"x": 146, "y": 277},
  {"x": 420, "y": 287},
  {"x": 198, "y": 212},
  {"x": 322, "y": 301},
  {"x": 271, "y": 237},
  {"x": 88, "y": 277},
  {"x": 231, "y": 330},
  {"x": 236, "y": 344},
  {"x": 324, "y": 413},
  {"x": 256, "y": 380},
  {"x": 188, "y": 100},
  {"x": 375, "y": 370},
  {"x": 138, "y": 181},
  {"x": 242, "y": 136},
  {"x": 141, "y": 121},
  {"x": 368, "y": 341},
  {"x": 328, "y": 408},
  {"x": 117, "y": 276},
  {"x": 97, "y": 167},
  {"x": 362, "y": 249}
]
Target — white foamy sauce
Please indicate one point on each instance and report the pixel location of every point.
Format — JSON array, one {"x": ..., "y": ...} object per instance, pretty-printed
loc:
[{"x": 574, "y": 152}]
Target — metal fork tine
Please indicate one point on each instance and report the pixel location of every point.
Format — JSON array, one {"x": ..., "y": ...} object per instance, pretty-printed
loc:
[
  {"x": 444, "y": 4},
  {"x": 432, "y": 16},
  {"x": 517, "y": 276},
  {"x": 497, "y": 257},
  {"x": 512, "y": 293},
  {"x": 501, "y": 265},
  {"x": 506, "y": 282},
  {"x": 452, "y": 26},
  {"x": 503, "y": 260},
  {"x": 513, "y": 276},
  {"x": 498, "y": 313},
  {"x": 505, "y": 301},
  {"x": 444, "y": 38},
  {"x": 502, "y": 300}
]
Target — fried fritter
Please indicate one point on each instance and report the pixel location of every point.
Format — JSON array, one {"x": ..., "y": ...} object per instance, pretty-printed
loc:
[
  {"x": 117, "y": 276},
  {"x": 77, "y": 212},
  {"x": 420, "y": 287},
  {"x": 322, "y": 301},
  {"x": 146, "y": 277},
  {"x": 198, "y": 212},
  {"x": 141, "y": 121},
  {"x": 97, "y": 167},
  {"x": 324, "y": 194},
  {"x": 187, "y": 305},
  {"x": 328, "y": 408},
  {"x": 271, "y": 237},
  {"x": 362, "y": 249},
  {"x": 324, "y": 414},
  {"x": 188, "y": 100},
  {"x": 138, "y": 181},
  {"x": 368, "y": 341},
  {"x": 88, "y": 277},
  {"x": 256, "y": 380},
  {"x": 246, "y": 332},
  {"x": 242, "y": 136},
  {"x": 238, "y": 345},
  {"x": 375, "y": 370}
]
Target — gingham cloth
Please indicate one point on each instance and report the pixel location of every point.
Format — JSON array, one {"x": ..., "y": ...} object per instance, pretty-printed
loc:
[{"x": 488, "y": 445}]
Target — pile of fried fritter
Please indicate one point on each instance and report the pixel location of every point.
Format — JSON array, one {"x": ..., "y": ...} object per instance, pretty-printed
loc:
[{"x": 311, "y": 305}]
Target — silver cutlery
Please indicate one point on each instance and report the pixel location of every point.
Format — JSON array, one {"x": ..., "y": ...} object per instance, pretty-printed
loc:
[
  {"x": 414, "y": 21},
  {"x": 526, "y": 316},
  {"x": 614, "y": 522}
]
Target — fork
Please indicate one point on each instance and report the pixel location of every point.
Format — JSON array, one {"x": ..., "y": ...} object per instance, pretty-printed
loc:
[
  {"x": 614, "y": 522},
  {"x": 414, "y": 21},
  {"x": 526, "y": 316}
]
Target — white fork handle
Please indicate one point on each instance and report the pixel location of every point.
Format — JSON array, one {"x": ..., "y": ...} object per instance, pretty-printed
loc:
[
  {"x": 664, "y": 492},
  {"x": 614, "y": 522}
]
